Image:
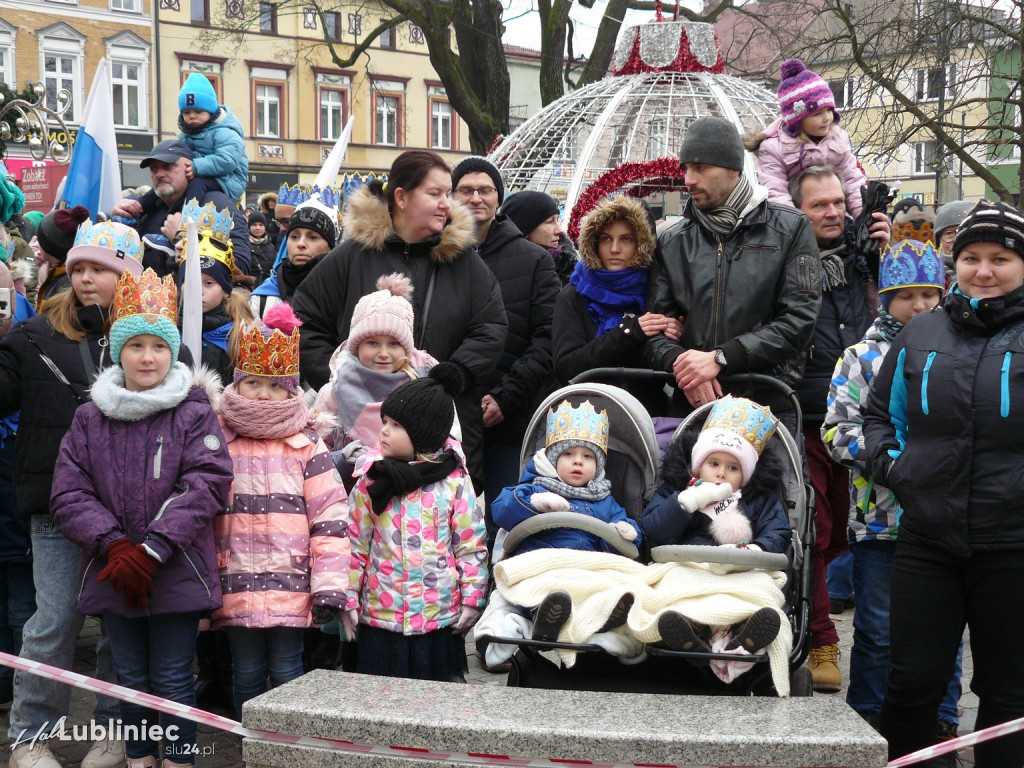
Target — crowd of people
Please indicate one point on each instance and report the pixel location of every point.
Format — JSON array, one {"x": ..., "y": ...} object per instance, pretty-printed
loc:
[{"x": 342, "y": 448}]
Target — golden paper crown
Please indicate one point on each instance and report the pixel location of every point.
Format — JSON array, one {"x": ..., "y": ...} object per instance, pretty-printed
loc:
[
  {"x": 147, "y": 296},
  {"x": 583, "y": 423},
  {"x": 273, "y": 355},
  {"x": 754, "y": 423}
]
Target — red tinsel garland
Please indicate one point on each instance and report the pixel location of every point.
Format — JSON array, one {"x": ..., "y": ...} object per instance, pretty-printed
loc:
[
  {"x": 685, "y": 61},
  {"x": 637, "y": 179}
]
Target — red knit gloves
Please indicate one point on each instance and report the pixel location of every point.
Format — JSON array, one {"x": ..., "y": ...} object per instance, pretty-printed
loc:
[{"x": 130, "y": 570}]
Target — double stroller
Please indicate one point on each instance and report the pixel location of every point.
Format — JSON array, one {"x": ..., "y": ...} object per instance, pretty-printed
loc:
[{"x": 632, "y": 466}]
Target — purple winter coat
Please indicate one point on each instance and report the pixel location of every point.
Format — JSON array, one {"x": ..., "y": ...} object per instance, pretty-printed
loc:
[{"x": 158, "y": 480}]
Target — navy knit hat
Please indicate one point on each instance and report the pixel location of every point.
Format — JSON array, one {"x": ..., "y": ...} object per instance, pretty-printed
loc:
[
  {"x": 477, "y": 164},
  {"x": 991, "y": 223},
  {"x": 528, "y": 210}
]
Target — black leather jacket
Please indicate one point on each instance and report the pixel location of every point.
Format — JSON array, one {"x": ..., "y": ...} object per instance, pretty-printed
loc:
[{"x": 756, "y": 295}]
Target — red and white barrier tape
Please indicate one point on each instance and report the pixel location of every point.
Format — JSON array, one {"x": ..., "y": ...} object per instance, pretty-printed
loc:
[{"x": 469, "y": 758}]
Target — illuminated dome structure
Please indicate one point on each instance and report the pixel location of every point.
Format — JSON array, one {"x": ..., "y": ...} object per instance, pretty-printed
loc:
[{"x": 624, "y": 132}]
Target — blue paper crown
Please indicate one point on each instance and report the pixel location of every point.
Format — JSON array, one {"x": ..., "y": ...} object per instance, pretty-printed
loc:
[
  {"x": 754, "y": 423},
  {"x": 295, "y": 195},
  {"x": 583, "y": 423},
  {"x": 105, "y": 234},
  {"x": 209, "y": 220},
  {"x": 909, "y": 264}
]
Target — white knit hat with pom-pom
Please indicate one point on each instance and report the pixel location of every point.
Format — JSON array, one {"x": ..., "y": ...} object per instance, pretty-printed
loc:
[{"x": 386, "y": 312}]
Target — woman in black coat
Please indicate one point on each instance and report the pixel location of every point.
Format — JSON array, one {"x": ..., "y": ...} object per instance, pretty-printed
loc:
[
  {"x": 599, "y": 317},
  {"x": 945, "y": 431}
]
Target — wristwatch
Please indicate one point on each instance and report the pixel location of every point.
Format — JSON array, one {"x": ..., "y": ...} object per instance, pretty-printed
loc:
[{"x": 720, "y": 357}]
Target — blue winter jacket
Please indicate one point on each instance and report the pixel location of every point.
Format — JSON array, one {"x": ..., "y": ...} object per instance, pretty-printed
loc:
[
  {"x": 513, "y": 507},
  {"x": 220, "y": 153}
]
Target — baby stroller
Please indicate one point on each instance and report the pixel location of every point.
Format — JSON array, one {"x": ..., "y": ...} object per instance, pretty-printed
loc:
[{"x": 633, "y": 464}]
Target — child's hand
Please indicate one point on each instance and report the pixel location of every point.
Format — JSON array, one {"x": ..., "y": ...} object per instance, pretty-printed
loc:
[
  {"x": 696, "y": 496},
  {"x": 349, "y": 622},
  {"x": 467, "y": 618},
  {"x": 190, "y": 171},
  {"x": 546, "y": 501},
  {"x": 324, "y": 614},
  {"x": 626, "y": 531}
]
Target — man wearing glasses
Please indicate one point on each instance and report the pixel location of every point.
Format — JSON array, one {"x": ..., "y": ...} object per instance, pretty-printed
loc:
[
  {"x": 529, "y": 285},
  {"x": 947, "y": 220}
]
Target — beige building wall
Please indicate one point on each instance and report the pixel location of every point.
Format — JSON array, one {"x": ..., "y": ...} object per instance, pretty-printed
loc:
[
  {"x": 60, "y": 42},
  {"x": 293, "y": 100}
]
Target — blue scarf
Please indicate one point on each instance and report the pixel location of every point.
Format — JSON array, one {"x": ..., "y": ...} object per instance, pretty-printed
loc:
[{"x": 610, "y": 295}]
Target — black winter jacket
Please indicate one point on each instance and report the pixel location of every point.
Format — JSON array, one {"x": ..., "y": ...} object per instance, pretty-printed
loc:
[
  {"x": 944, "y": 428},
  {"x": 756, "y": 295},
  {"x": 529, "y": 285},
  {"x": 846, "y": 314},
  {"x": 464, "y": 322},
  {"x": 264, "y": 254}
]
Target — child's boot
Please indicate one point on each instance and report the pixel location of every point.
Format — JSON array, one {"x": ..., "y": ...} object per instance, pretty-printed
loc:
[
  {"x": 678, "y": 634},
  {"x": 552, "y": 613},
  {"x": 619, "y": 613},
  {"x": 760, "y": 629},
  {"x": 106, "y": 753},
  {"x": 143, "y": 762}
]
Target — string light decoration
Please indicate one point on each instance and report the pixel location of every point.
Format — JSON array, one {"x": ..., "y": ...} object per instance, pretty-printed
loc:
[
  {"x": 26, "y": 122},
  {"x": 624, "y": 131}
]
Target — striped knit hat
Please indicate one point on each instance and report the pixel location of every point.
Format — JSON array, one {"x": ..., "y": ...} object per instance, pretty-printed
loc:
[
  {"x": 802, "y": 93},
  {"x": 991, "y": 223}
]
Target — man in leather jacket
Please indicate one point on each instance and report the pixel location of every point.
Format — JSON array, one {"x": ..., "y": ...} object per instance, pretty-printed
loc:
[{"x": 743, "y": 275}]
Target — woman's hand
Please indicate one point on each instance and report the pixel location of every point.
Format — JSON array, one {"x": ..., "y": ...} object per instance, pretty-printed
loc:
[{"x": 652, "y": 324}]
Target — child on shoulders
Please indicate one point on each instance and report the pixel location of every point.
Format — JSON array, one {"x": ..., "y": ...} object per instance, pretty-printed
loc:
[
  {"x": 215, "y": 136},
  {"x": 806, "y": 134}
]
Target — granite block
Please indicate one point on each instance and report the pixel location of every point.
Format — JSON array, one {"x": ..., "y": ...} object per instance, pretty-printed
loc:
[{"x": 565, "y": 725}]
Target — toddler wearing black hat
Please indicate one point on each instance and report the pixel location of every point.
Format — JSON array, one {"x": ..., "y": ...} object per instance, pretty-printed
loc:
[{"x": 418, "y": 577}]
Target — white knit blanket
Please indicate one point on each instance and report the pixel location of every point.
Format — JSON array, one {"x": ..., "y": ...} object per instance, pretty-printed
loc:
[{"x": 707, "y": 593}]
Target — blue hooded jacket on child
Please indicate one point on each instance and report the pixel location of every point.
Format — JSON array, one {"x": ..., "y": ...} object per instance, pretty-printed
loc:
[{"x": 219, "y": 145}]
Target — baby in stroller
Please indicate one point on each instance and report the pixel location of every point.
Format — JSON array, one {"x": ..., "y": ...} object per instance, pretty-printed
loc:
[
  {"x": 568, "y": 474},
  {"x": 720, "y": 490}
]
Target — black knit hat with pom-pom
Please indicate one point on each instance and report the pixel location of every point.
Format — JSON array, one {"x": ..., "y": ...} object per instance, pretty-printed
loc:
[{"x": 425, "y": 407}]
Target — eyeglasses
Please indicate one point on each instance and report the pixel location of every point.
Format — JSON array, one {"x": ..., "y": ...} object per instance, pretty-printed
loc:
[
  {"x": 468, "y": 192},
  {"x": 948, "y": 234}
]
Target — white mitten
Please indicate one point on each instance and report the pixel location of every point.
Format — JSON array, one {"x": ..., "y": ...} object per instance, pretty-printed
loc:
[
  {"x": 546, "y": 501},
  {"x": 353, "y": 451},
  {"x": 349, "y": 622},
  {"x": 626, "y": 531},
  {"x": 700, "y": 495}
]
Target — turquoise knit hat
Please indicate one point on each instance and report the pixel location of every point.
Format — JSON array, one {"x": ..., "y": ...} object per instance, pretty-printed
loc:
[
  {"x": 144, "y": 305},
  {"x": 137, "y": 325}
]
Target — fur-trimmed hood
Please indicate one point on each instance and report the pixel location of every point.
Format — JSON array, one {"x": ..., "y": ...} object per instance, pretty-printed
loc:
[
  {"x": 630, "y": 210},
  {"x": 116, "y": 402},
  {"x": 265, "y": 198},
  {"x": 368, "y": 222},
  {"x": 675, "y": 466}
]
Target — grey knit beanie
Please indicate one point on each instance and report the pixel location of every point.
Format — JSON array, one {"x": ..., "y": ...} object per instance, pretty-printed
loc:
[
  {"x": 950, "y": 215},
  {"x": 713, "y": 141}
]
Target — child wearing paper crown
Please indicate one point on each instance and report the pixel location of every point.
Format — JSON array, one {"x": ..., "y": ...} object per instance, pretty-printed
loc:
[
  {"x": 282, "y": 547},
  {"x": 414, "y": 602},
  {"x": 806, "y": 134},
  {"x": 721, "y": 490},
  {"x": 567, "y": 475},
  {"x": 911, "y": 280},
  {"x": 141, "y": 474},
  {"x": 224, "y": 311},
  {"x": 215, "y": 136},
  {"x": 378, "y": 355}
]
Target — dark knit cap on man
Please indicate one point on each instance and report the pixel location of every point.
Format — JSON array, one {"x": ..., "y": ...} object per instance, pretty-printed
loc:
[
  {"x": 713, "y": 141},
  {"x": 477, "y": 164},
  {"x": 528, "y": 210},
  {"x": 425, "y": 407},
  {"x": 56, "y": 232},
  {"x": 991, "y": 223}
]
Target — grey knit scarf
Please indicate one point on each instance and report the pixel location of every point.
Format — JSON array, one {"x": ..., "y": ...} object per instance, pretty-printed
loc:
[
  {"x": 547, "y": 477},
  {"x": 722, "y": 221},
  {"x": 833, "y": 273}
]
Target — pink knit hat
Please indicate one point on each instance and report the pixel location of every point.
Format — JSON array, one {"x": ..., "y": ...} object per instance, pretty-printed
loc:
[
  {"x": 387, "y": 312},
  {"x": 802, "y": 92}
]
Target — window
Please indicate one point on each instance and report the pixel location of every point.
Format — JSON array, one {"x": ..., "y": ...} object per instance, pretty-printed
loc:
[
  {"x": 128, "y": 6},
  {"x": 60, "y": 73},
  {"x": 440, "y": 124},
  {"x": 61, "y": 59},
  {"x": 657, "y": 139},
  {"x": 126, "y": 87},
  {"x": 268, "y": 110},
  {"x": 842, "y": 90},
  {"x": 929, "y": 82},
  {"x": 268, "y": 18},
  {"x": 200, "y": 12},
  {"x": 332, "y": 113},
  {"x": 387, "y": 109},
  {"x": 925, "y": 157},
  {"x": 387, "y": 38},
  {"x": 8, "y": 33},
  {"x": 332, "y": 25}
]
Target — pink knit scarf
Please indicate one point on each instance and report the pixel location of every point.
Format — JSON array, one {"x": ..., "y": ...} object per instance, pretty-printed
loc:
[{"x": 263, "y": 419}]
